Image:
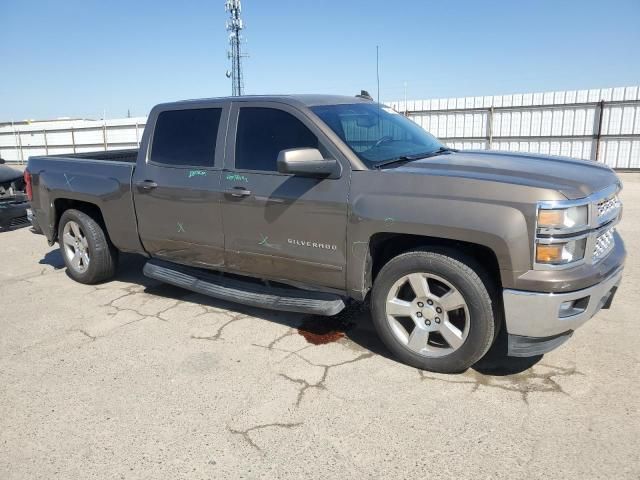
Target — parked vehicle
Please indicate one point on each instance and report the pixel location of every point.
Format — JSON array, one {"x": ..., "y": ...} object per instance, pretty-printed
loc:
[
  {"x": 13, "y": 200},
  {"x": 329, "y": 199}
]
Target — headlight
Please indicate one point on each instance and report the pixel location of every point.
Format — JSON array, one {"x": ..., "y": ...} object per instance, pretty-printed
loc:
[
  {"x": 564, "y": 218},
  {"x": 560, "y": 253}
]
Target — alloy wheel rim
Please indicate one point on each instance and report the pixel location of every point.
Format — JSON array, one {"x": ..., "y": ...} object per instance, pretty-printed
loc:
[
  {"x": 427, "y": 314},
  {"x": 76, "y": 246}
]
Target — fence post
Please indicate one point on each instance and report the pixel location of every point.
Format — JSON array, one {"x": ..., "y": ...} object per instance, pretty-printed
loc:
[
  {"x": 490, "y": 128},
  {"x": 15, "y": 137},
  {"x": 20, "y": 146},
  {"x": 598, "y": 129},
  {"x": 73, "y": 139}
]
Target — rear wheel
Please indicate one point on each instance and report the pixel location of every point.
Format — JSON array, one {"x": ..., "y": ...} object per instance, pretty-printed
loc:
[
  {"x": 88, "y": 254},
  {"x": 433, "y": 310}
]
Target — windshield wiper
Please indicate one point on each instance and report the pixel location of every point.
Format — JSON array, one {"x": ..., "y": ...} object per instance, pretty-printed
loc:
[
  {"x": 416, "y": 156},
  {"x": 434, "y": 153}
]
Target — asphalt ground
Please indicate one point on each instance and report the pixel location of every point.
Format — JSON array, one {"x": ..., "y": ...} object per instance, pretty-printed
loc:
[{"x": 134, "y": 379}]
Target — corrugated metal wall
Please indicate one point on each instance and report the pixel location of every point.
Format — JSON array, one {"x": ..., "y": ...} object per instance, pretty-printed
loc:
[
  {"x": 601, "y": 124},
  {"x": 18, "y": 142}
]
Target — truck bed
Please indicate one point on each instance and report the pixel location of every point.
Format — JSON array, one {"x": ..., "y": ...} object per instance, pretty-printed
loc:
[
  {"x": 99, "y": 179},
  {"x": 128, "y": 156}
]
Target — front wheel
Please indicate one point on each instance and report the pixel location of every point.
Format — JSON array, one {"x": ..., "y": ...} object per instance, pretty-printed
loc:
[
  {"x": 433, "y": 310},
  {"x": 88, "y": 254}
]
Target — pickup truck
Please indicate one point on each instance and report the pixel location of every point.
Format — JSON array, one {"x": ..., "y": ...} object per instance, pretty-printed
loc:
[{"x": 305, "y": 203}]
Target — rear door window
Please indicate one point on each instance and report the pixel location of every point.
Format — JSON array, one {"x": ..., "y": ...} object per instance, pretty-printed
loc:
[
  {"x": 263, "y": 132},
  {"x": 186, "y": 137}
]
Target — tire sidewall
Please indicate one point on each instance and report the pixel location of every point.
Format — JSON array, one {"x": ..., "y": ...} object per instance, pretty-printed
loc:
[
  {"x": 479, "y": 305},
  {"x": 83, "y": 220}
]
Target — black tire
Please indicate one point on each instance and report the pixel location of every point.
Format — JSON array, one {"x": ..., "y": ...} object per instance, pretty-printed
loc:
[
  {"x": 472, "y": 283},
  {"x": 103, "y": 255}
]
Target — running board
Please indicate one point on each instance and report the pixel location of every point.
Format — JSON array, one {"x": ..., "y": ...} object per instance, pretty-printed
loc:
[{"x": 214, "y": 285}]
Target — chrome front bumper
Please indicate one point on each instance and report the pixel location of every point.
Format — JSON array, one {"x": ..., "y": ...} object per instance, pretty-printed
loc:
[{"x": 535, "y": 314}]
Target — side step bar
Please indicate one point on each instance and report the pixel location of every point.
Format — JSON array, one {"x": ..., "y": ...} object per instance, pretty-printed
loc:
[{"x": 289, "y": 299}]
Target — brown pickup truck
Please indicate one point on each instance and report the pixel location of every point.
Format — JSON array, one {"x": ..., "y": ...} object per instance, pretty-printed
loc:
[{"x": 307, "y": 202}]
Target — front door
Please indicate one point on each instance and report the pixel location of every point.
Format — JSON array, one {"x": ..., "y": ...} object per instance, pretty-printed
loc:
[
  {"x": 177, "y": 190},
  {"x": 280, "y": 226}
]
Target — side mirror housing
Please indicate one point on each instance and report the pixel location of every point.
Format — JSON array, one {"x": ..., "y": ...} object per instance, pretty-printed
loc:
[{"x": 307, "y": 162}]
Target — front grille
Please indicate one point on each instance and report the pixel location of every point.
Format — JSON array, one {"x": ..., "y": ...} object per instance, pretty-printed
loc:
[
  {"x": 603, "y": 245},
  {"x": 608, "y": 207}
]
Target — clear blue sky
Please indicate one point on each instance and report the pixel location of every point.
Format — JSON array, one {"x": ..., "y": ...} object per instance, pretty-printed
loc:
[{"x": 78, "y": 57}]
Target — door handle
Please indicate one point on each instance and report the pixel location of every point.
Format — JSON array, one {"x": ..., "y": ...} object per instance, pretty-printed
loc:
[
  {"x": 239, "y": 192},
  {"x": 146, "y": 185}
]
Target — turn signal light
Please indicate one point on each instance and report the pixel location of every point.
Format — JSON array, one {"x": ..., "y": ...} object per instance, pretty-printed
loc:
[
  {"x": 561, "y": 253},
  {"x": 551, "y": 217},
  {"x": 549, "y": 253}
]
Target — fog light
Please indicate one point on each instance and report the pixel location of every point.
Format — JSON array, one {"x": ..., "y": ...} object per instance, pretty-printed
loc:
[
  {"x": 573, "y": 307},
  {"x": 566, "y": 308}
]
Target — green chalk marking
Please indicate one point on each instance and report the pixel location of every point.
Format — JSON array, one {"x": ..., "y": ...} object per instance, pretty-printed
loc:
[
  {"x": 234, "y": 177},
  {"x": 197, "y": 173}
]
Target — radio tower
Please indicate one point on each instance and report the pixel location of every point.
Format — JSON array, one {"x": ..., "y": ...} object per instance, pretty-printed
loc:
[{"x": 234, "y": 26}]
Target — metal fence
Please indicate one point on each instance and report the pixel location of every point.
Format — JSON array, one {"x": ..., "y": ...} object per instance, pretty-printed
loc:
[
  {"x": 19, "y": 141},
  {"x": 601, "y": 124}
]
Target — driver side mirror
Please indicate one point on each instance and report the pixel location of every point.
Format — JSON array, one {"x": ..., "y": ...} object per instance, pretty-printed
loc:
[{"x": 307, "y": 162}]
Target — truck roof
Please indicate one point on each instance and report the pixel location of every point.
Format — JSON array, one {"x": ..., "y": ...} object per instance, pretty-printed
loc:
[{"x": 308, "y": 100}]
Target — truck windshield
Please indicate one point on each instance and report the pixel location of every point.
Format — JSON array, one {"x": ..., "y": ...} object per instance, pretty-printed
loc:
[{"x": 377, "y": 134}]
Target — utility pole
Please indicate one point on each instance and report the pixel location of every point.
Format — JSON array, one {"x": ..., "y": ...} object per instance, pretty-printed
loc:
[{"x": 234, "y": 26}]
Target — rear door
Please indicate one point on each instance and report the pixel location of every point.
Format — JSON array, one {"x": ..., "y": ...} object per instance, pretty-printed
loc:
[
  {"x": 280, "y": 226},
  {"x": 177, "y": 189}
]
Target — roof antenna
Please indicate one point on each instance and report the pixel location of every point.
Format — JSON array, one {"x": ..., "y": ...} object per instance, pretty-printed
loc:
[{"x": 364, "y": 94}]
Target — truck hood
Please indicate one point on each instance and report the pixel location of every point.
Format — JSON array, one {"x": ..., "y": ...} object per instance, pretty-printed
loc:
[{"x": 571, "y": 177}]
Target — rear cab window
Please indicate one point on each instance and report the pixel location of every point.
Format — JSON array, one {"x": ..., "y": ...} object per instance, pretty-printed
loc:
[{"x": 186, "y": 138}]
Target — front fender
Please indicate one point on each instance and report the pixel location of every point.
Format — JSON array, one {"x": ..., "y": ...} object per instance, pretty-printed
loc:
[{"x": 503, "y": 226}]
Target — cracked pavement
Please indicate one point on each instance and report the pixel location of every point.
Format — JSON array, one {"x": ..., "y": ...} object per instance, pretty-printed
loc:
[{"x": 134, "y": 379}]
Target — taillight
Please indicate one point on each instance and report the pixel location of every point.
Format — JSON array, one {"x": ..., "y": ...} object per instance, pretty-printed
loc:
[{"x": 27, "y": 182}]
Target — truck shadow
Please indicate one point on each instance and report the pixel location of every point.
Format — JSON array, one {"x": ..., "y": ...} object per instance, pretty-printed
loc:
[
  {"x": 53, "y": 258},
  {"x": 497, "y": 363},
  {"x": 353, "y": 323}
]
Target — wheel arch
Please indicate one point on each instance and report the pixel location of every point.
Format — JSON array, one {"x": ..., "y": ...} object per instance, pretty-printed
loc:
[
  {"x": 61, "y": 205},
  {"x": 384, "y": 246}
]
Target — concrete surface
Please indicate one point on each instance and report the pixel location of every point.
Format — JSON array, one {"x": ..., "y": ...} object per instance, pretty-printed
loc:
[{"x": 132, "y": 379}]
